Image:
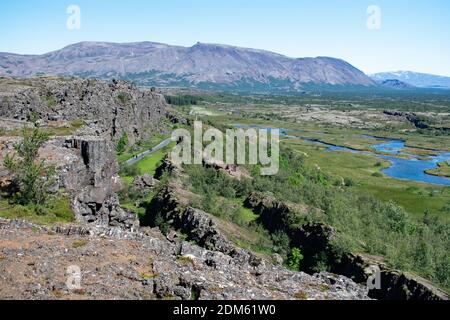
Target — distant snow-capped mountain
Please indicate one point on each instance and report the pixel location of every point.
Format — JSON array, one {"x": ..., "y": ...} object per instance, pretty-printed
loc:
[{"x": 423, "y": 80}]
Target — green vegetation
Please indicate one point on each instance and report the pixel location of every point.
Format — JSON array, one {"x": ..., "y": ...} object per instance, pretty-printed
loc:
[
  {"x": 122, "y": 144},
  {"x": 57, "y": 209},
  {"x": 32, "y": 177},
  {"x": 135, "y": 200},
  {"x": 50, "y": 131},
  {"x": 139, "y": 147},
  {"x": 149, "y": 164},
  {"x": 365, "y": 224},
  {"x": 29, "y": 196},
  {"x": 123, "y": 98},
  {"x": 294, "y": 260},
  {"x": 79, "y": 243},
  {"x": 182, "y": 100},
  {"x": 405, "y": 222},
  {"x": 77, "y": 124},
  {"x": 367, "y": 179},
  {"x": 50, "y": 101},
  {"x": 185, "y": 260},
  {"x": 443, "y": 170}
]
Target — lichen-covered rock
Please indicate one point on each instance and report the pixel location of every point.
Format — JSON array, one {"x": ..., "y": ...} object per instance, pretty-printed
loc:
[
  {"x": 109, "y": 109},
  {"x": 86, "y": 162},
  {"x": 145, "y": 183},
  {"x": 92, "y": 180},
  {"x": 168, "y": 167},
  {"x": 120, "y": 264}
]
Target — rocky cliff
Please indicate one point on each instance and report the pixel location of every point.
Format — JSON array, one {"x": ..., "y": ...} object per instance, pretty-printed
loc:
[
  {"x": 86, "y": 160},
  {"x": 316, "y": 241},
  {"x": 93, "y": 182},
  {"x": 107, "y": 109}
]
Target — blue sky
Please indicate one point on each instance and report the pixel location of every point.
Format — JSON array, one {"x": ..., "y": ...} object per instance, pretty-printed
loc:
[{"x": 414, "y": 35}]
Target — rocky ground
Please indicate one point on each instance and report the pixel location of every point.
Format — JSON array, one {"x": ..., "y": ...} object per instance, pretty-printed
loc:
[{"x": 119, "y": 264}]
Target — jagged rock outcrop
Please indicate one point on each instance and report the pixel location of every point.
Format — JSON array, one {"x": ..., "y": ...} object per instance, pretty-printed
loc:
[
  {"x": 86, "y": 162},
  {"x": 92, "y": 180},
  {"x": 108, "y": 109},
  {"x": 198, "y": 225},
  {"x": 232, "y": 170},
  {"x": 145, "y": 183},
  {"x": 316, "y": 241},
  {"x": 152, "y": 268},
  {"x": 408, "y": 116},
  {"x": 168, "y": 167},
  {"x": 275, "y": 215}
]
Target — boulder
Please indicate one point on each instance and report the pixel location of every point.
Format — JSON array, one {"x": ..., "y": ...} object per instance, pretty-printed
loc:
[
  {"x": 168, "y": 167},
  {"x": 145, "y": 183},
  {"x": 93, "y": 182}
]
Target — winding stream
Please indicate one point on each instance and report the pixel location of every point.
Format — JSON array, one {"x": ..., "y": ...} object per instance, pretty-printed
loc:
[{"x": 411, "y": 168}]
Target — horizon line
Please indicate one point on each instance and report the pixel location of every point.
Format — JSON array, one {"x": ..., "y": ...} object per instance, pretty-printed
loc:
[{"x": 218, "y": 44}]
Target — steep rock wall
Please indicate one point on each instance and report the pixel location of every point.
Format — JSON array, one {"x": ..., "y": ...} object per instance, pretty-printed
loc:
[
  {"x": 108, "y": 108},
  {"x": 316, "y": 243}
]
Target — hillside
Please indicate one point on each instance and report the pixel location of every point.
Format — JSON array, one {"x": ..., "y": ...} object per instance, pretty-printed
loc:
[
  {"x": 210, "y": 66},
  {"x": 417, "y": 79}
]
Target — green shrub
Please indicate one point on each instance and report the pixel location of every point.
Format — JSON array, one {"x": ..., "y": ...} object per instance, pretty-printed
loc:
[
  {"x": 123, "y": 98},
  {"x": 294, "y": 259},
  {"x": 50, "y": 101},
  {"x": 129, "y": 170},
  {"x": 377, "y": 174},
  {"x": 122, "y": 143},
  {"x": 161, "y": 223},
  {"x": 31, "y": 175}
]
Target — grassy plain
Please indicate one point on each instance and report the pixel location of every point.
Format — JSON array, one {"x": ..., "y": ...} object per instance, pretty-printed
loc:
[{"x": 363, "y": 170}]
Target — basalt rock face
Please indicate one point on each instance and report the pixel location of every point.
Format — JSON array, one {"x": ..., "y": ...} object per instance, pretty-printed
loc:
[
  {"x": 316, "y": 241},
  {"x": 108, "y": 109},
  {"x": 93, "y": 182},
  {"x": 168, "y": 167},
  {"x": 202, "y": 229},
  {"x": 103, "y": 112},
  {"x": 275, "y": 215},
  {"x": 145, "y": 183},
  {"x": 408, "y": 116},
  {"x": 198, "y": 225}
]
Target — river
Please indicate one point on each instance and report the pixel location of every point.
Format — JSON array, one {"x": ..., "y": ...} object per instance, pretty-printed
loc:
[{"x": 408, "y": 167}]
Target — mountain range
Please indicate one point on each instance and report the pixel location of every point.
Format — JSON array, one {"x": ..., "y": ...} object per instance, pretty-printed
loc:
[
  {"x": 206, "y": 66},
  {"x": 421, "y": 80},
  {"x": 395, "y": 84}
]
